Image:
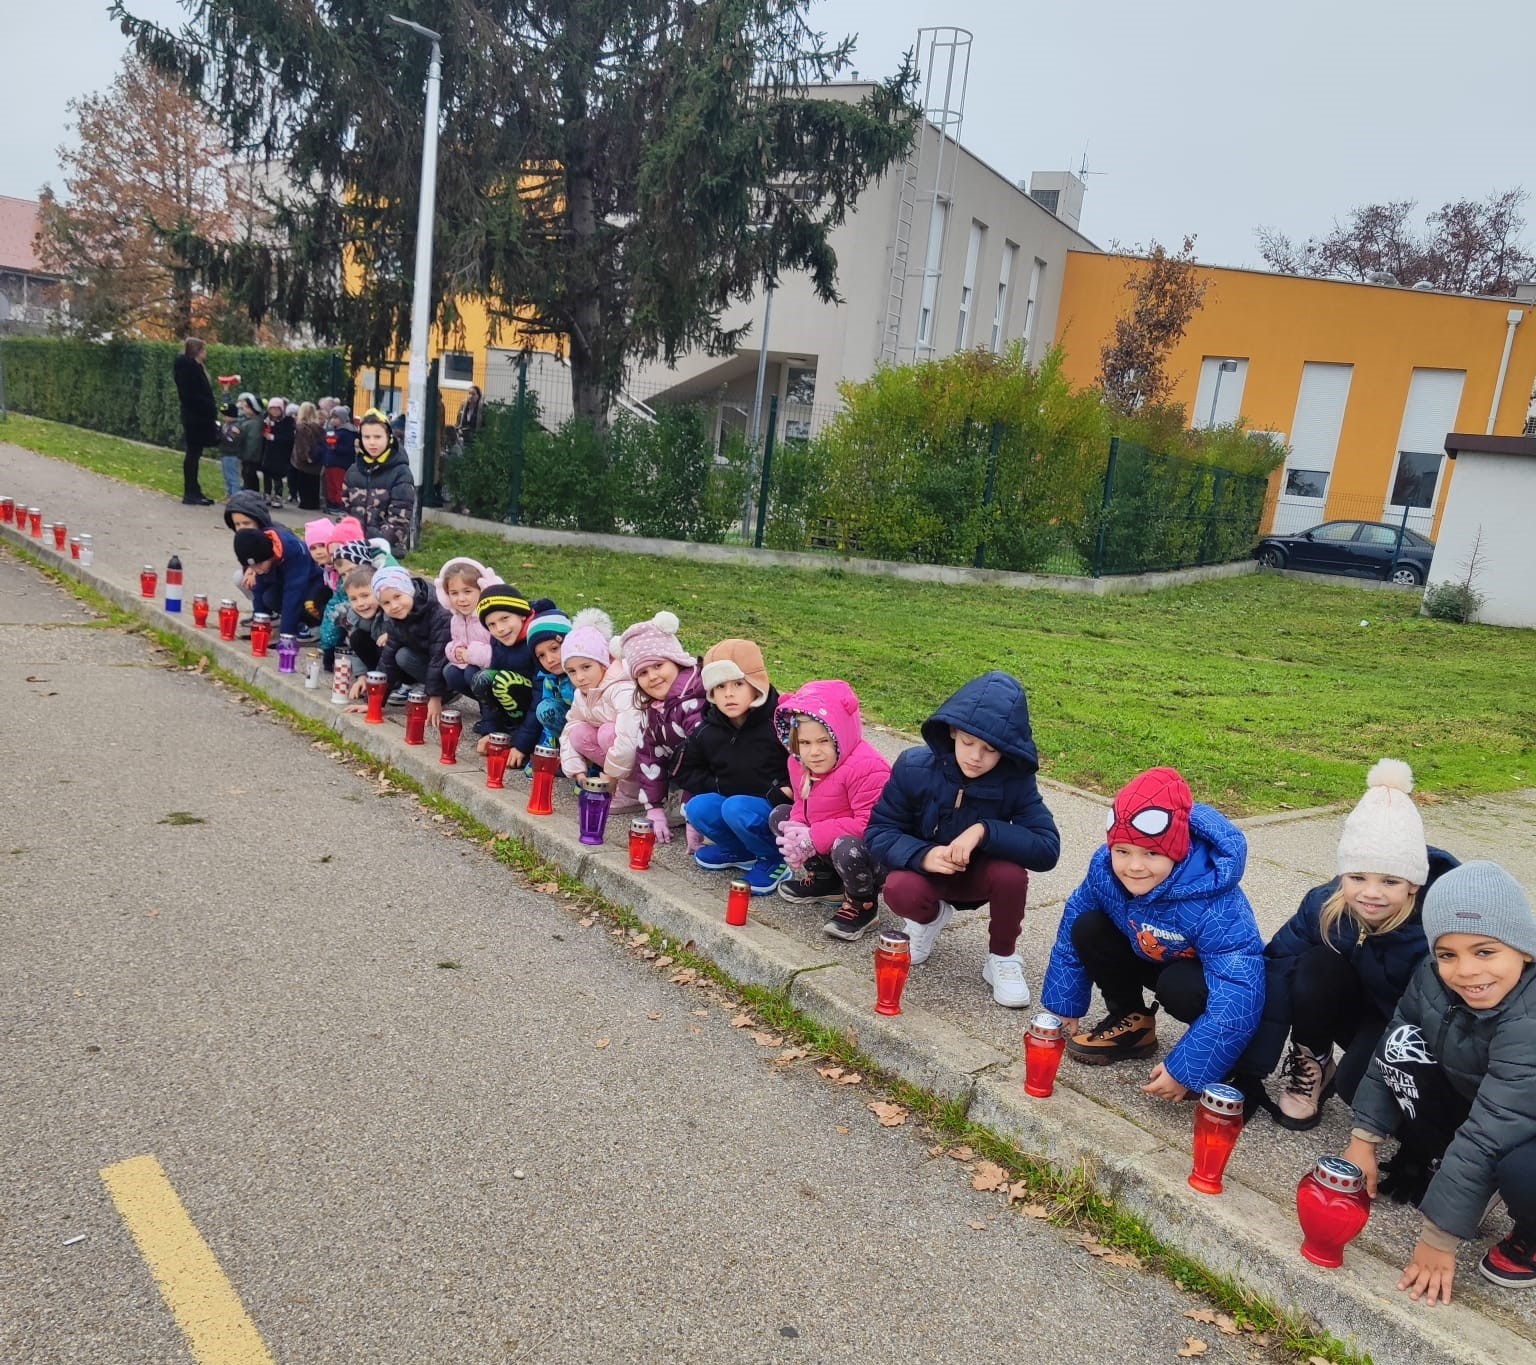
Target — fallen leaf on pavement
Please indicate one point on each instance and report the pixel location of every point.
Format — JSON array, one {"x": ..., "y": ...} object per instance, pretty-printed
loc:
[
  {"x": 1205, "y": 1315},
  {"x": 702, "y": 1014},
  {"x": 202, "y": 665},
  {"x": 829, "y": 1073},
  {"x": 654, "y": 1014},
  {"x": 976, "y": 1225},
  {"x": 602, "y": 1042},
  {"x": 586, "y": 922},
  {"x": 1094, "y": 1247},
  {"x": 639, "y": 940},
  {"x": 546, "y": 888},
  {"x": 890, "y": 1115},
  {"x": 684, "y": 977},
  {"x": 1018, "y": 1191},
  {"x": 794, "y": 1054},
  {"x": 936, "y": 1151},
  {"x": 849, "y": 1078},
  {"x": 1193, "y": 1347},
  {"x": 1034, "y": 1211},
  {"x": 665, "y": 960},
  {"x": 1316, "y": 1360},
  {"x": 767, "y": 1039},
  {"x": 844, "y": 1129},
  {"x": 989, "y": 1176},
  {"x": 742, "y": 1021},
  {"x": 1226, "y": 1324},
  {"x": 647, "y": 953},
  {"x": 961, "y": 1154}
]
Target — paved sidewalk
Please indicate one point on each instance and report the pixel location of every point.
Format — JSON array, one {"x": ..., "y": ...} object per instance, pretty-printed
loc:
[{"x": 952, "y": 1037}]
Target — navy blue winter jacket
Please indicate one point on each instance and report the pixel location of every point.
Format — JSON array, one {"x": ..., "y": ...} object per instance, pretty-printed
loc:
[
  {"x": 294, "y": 589},
  {"x": 1200, "y": 912},
  {"x": 1384, "y": 963},
  {"x": 928, "y": 801},
  {"x": 514, "y": 693}
]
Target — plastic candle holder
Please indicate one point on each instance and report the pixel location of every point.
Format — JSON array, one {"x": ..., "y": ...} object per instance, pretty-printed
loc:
[
  {"x": 229, "y": 618},
  {"x": 642, "y": 843},
  {"x": 200, "y": 611},
  {"x": 893, "y": 963},
  {"x": 378, "y": 687},
  {"x": 1333, "y": 1208},
  {"x": 287, "y": 654},
  {"x": 450, "y": 728},
  {"x": 1218, "y": 1124},
  {"x": 546, "y": 767},
  {"x": 737, "y": 898},
  {"x": 261, "y": 634},
  {"x": 1044, "y": 1044},
  {"x": 416, "y": 716},
  {"x": 498, "y": 749},
  {"x": 594, "y": 797}
]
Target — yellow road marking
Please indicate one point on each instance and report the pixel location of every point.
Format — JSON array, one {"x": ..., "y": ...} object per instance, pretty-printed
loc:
[{"x": 199, "y": 1295}]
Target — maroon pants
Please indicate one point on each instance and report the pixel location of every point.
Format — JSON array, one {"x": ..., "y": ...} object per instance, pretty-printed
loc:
[
  {"x": 335, "y": 487},
  {"x": 1004, "y": 886}
]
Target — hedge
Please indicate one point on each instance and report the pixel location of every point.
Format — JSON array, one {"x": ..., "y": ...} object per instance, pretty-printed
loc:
[{"x": 125, "y": 388}]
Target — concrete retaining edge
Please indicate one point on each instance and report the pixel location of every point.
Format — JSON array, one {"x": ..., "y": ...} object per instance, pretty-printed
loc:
[
  {"x": 828, "y": 563},
  {"x": 1241, "y": 1234}
]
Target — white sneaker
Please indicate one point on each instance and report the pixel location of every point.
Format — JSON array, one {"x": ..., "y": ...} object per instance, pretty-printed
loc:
[
  {"x": 925, "y": 936},
  {"x": 1006, "y": 977}
]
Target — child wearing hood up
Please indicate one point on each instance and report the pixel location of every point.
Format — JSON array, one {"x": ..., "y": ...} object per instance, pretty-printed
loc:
[
  {"x": 603, "y": 727},
  {"x": 962, "y": 823},
  {"x": 669, "y": 690},
  {"x": 459, "y": 584},
  {"x": 1161, "y": 906},
  {"x": 837, "y": 777}
]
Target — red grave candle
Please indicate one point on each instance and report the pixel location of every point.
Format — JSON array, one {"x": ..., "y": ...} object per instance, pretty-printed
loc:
[
  {"x": 1043, "y": 1048},
  {"x": 261, "y": 634},
  {"x": 546, "y": 766},
  {"x": 229, "y": 618},
  {"x": 416, "y": 716},
  {"x": 1332, "y": 1208},
  {"x": 35, "y": 517},
  {"x": 893, "y": 961},
  {"x": 378, "y": 688},
  {"x": 60, "y": 535},
  {"x": 7, "y": 510},
  {"x": 200, "y": 611},
  {"x": 1218, "y": 1123},
  {"x": 148, "y": 578},
  {"x": 498, "y": 749},
  {"x": 450, "y": 726},
  {"x": 642, "y": 843},
  {"x": 737, "y": 899}
]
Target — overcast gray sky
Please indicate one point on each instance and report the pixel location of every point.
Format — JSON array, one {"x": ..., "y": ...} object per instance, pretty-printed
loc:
[{"x": 1203, "y": 118}]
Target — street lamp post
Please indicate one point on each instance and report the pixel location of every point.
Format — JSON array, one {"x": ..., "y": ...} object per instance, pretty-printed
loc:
[
  {"x": 421, "y": 296},
  {"x": 1225, "y": 367}
]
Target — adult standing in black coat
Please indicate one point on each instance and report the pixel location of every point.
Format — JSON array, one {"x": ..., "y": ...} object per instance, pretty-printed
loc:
[{"x": 199, "y": 416}]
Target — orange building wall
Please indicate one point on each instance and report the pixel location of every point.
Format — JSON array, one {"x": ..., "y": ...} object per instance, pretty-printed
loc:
[{"x": 1280, "y": 322}]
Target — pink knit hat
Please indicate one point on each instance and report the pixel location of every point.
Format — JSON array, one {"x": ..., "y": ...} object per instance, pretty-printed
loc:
[
  {"x": 321, "y": 531},
  {"x": 651, "y": 642},
  {"x": 347, "y": 529},
  {"x": 591, "y": 629}
]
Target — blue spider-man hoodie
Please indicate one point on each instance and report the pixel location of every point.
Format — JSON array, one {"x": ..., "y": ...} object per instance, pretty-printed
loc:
[
  {"x": 928, "y": 801},
  {"x": 1200, "y": 911}
]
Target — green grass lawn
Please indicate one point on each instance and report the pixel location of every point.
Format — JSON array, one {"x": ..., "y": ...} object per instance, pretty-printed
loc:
[
  {"x": 148, "y": 466},
  {"x": 1266, "y": 692}
]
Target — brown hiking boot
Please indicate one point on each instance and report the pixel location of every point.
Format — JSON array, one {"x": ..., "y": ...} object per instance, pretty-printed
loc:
[{"x": 1116, "y": 1038}]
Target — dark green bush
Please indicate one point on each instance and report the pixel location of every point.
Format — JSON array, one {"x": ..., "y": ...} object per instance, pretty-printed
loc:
[
  {"x": 1450, "y": 601},
  {"x": 125, "y": 387}
]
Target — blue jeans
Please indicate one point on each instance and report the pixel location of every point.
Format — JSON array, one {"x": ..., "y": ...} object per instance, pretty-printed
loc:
[
  {"x": 230, "y": 466},
  {"x": 734, "y": 824}
]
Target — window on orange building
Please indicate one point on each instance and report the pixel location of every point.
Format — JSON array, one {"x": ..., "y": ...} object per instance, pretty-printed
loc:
[{"x": 1413, "y": 485}]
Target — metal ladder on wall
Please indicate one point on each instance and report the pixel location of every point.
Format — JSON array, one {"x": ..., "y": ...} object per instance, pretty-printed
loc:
[{"x": 901, "y": 251}]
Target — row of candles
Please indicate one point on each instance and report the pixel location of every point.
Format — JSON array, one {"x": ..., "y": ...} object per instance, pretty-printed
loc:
[
  {"x": 1331, "y": 1202},
  {"x": 30, "y": 519}
]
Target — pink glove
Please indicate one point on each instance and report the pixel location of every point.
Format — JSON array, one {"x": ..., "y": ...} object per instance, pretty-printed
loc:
[
  {"x": 795, "y": 844},
  {"x": 694, "y": 839},
  {"x": 658, "y": 819}
]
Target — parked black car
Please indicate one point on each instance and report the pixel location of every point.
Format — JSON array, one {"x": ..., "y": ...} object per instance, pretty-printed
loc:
[{"x": 1368, "y": 549}]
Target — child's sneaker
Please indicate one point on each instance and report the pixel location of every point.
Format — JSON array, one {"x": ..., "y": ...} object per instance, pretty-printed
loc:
[
  {"x": 763, "y": 877},
  {"x": 713, "y": 858},
  {"x": 925, "y": 936},
  {"x": 853, "y": 918},
  {"x": 399, "y": 696},
  {"x": 1116, "y": 1038},
  {"x": 1511, "y": 1263},
  {"x": 812, "y": 883},
  {"x": 1307, "y": 1081},
  {"x": 1006, "y": 977}
]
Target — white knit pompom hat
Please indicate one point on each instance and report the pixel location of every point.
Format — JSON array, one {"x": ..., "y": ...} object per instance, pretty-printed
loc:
[{"x": 1384, "y": 833}]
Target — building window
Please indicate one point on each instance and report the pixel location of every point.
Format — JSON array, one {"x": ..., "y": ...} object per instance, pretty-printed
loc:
[
  {"x": 1306, "y": 483},
  {"x": 1000, "y": 309},
  {"x": 1414, "y": 483},
  {"x": 968, "y": 284},
  {"x": 1032, "y": 307},
  {"x": 931, "y": 264},
  {"x": 801, "y": 387},
  {"x": 455, "y": 370}
]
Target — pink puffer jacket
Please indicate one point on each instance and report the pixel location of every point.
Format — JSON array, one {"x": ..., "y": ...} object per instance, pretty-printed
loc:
[
  {"x": 611, "y": 702},
  {"x": 840, "y": 802},
  {"x": 466, "y": 631}
]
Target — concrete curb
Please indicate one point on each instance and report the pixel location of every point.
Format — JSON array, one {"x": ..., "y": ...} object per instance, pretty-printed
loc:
[
  {"x": 1242, "y": 1234},
  {"x": 855, "y": 564}
]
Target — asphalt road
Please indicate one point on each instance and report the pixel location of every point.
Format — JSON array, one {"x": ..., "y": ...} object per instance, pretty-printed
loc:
[{"x": 224, "y": 948}]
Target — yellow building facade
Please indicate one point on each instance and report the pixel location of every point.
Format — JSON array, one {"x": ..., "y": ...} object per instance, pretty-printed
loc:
[{"x": 1362, "y": 381}]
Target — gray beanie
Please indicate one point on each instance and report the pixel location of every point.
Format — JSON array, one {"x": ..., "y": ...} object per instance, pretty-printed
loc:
[{"x": 1480, "y": 898}]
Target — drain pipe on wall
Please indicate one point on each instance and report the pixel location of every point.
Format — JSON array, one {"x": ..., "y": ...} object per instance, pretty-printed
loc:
[{"x": 1513, "y": 318}]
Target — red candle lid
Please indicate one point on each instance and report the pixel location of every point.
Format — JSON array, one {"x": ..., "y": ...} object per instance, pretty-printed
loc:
[
  {"x": 1045, "y": 1025},
  {"x": 1222, "y": 1099},
  {"x": 894, "y": 941},
  {"x": 1334, "y": 1173}
]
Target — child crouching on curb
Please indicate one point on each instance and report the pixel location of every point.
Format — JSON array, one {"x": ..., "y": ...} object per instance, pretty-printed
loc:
[
  {"x": 603, "y": 727},
  {"x": 735, "y": 770},
  {"x": 1161, "y": 906},
  {"x": 505, "y": 687},
  {"x": 553, "y": 691},
  {"x": 835, "y": 777},
  {"x": 961, "y": 822},
  {"x": 416, "y": 633},
  {"x": 1454, "y": 1080},
  {"x": 1337, "y": 968},
  {"x": 669, "y": 690}
]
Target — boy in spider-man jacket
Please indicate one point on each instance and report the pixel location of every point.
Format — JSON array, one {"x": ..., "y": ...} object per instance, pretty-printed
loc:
[{"x": 1161, "y": 906}]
